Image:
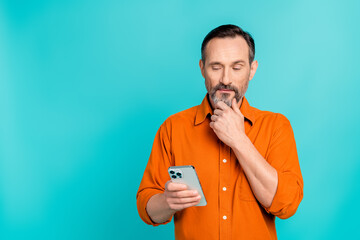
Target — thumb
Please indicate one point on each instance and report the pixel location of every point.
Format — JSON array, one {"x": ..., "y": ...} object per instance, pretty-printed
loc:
[{"x": 235, "y": 106}]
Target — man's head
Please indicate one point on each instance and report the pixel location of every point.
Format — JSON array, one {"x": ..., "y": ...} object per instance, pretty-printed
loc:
[{"x": 227, "y": 63}]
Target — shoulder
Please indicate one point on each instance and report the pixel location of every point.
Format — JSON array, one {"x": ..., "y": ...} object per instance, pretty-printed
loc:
[
  {"x": 185, "y": 115},
  {"x": 183, "y": 118},
  {"x": 277, "y": 120},
  {"x": 275, "y": 125}
]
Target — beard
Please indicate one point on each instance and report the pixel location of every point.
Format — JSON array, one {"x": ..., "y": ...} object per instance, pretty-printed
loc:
[{"x": 225, "y": 97}]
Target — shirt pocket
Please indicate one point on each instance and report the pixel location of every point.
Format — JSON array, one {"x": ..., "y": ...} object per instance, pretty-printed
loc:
[{"x": 245, "y": 192}]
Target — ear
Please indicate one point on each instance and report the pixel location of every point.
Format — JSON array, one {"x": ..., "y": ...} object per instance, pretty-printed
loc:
[
  {"x": 253, "y": 68},
  {"x": 201, "y": 65}
]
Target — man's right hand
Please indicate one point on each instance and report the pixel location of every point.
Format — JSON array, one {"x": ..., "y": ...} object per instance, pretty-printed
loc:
[{"x": 178, "y": 197}]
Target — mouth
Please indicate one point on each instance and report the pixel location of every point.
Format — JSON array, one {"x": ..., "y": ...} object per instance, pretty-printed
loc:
[{"x": 225, "y": 90}]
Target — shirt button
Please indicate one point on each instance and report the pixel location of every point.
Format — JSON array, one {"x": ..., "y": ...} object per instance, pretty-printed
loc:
[
  {"x": 224, "y": 160},
  {"x": 224, "y": 217},
  {"x": 224, "y": 188}
]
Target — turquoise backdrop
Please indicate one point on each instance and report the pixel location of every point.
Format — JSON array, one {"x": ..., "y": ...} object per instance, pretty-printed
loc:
[{"x": 85, "y": 84}]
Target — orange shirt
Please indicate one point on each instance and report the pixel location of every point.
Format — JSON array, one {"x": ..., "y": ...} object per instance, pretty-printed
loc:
[{"x": 232, "y": 211}]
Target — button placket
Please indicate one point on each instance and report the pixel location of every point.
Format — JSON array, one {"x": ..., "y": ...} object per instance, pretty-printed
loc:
[{"x": 224, "y": 198}]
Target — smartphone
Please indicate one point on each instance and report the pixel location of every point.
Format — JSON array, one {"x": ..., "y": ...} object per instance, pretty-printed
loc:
[{"x": 187, "y": 175}]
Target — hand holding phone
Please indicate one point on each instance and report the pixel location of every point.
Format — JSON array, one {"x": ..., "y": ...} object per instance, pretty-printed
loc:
[
  {"x": 179, "y": 197},
  {"x": 187, "y": 175}
]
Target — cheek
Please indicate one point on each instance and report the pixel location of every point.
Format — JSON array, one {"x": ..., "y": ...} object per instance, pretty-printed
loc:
[
  {"x": 240, "y": 77},
  {"x": 211, "y": 81},
  {"x": 209, "y": 84},
  {"x": 240, "y": 74}
]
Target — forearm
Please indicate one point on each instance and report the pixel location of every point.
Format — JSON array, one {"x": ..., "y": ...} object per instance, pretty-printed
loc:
[
  {"x": 158, "y": 209},
  {"x": 261, "y": 175}
]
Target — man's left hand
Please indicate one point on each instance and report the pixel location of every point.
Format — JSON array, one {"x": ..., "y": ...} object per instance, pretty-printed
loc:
[{"x": 228, "y": 123}]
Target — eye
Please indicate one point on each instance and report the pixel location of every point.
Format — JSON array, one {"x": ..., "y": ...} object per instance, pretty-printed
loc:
[
  {"x": 237, "y": 68},
  {"x": 216, "y": 68}
]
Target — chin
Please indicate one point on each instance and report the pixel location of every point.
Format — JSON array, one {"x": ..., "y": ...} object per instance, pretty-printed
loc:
[{"x": 224, "y": 97}]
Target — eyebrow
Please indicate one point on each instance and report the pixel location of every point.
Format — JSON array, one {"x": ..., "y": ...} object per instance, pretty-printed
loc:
[
  {"x": 219, "y": 63},
  {"x": 239, "y": 61},
  {"x": 215, "y": 63}
]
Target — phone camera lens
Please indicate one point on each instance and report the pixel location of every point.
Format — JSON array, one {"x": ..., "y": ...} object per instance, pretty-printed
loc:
[
  {"x": 173, "y": 176},
  {"x": 178, "y": 174},
  {"x": 172, "y": 172}
]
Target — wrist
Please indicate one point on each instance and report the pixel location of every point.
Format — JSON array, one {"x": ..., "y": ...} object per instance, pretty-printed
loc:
[
  {"x": 241, "y": 144},
  {"x": 168, "y": 208}
]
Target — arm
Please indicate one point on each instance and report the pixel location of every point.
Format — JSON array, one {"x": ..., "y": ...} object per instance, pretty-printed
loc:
[
  {"x": 277, "y": 186},
  {"x": 158, "y": 210},
  {"x": 262, "y": 177},
  {"x": 158, "y": 198},
  {"x": 228, "y": 125}
]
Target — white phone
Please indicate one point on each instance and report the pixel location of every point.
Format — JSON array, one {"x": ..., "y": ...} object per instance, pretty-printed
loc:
[{"x": 187, "y": 175}]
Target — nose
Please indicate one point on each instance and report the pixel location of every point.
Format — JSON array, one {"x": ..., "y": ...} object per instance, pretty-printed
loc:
[{"x": 225, "y": 79}]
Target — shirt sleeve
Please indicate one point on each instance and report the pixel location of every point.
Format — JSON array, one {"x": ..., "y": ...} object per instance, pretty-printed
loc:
[
  {"x": 283, "y": 157},
  {"x": 155, "y": 175}
]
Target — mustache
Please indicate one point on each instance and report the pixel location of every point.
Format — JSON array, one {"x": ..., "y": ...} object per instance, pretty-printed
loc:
[{"x": 222, "y": 86}]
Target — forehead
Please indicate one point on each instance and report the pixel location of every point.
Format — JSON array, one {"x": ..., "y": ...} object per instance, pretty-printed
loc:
[{"x": 227, "y": 49}]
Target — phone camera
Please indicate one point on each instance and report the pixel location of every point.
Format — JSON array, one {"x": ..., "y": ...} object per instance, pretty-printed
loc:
[
  {"x": 173, "y": 176},
  {"x": 172, "y": 172},
  {"x": 178, "y": 174}
]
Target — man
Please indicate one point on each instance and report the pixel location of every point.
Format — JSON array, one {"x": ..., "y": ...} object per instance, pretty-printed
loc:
[{"x": 245, "y": 158}]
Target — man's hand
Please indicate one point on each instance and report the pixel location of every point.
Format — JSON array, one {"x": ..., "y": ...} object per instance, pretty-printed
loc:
[
  {"x": 178, "y": 197},
  {"x": 228, "y": 123}
]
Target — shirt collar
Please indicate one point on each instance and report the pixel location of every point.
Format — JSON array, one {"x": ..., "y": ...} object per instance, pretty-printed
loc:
[{"x": 204, "y": 109}]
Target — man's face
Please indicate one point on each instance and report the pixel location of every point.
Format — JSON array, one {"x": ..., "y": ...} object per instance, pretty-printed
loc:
[{"x": 227, "y": 70}]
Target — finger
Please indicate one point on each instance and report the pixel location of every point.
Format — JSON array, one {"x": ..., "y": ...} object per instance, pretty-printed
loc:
[
  {"x": 218, "y": 112},
  {"x": 214, "y": 118},
  {"x": 171, "y": 186},
  {"x": 235, "y": 106},
  {"x": 184, "y": 200},
  {"x": 212, "y": 125},
  {"x": 183, "y": 194},
  {"x": 183, "y": 206},
  {"x": 221, "y": 105},
  {"x": 166, "y": 184}
]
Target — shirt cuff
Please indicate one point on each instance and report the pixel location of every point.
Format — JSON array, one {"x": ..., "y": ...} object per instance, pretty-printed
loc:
[{"x": 287, "y": 197}]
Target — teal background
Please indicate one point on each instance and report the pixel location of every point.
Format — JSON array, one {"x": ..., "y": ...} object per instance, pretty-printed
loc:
[{"x": 85, "y": 84}]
